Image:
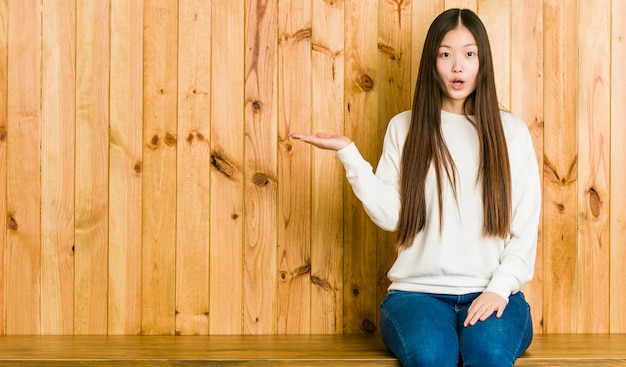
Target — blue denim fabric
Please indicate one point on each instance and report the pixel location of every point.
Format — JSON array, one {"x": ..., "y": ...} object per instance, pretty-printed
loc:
[{"x": 427, "y": 330}]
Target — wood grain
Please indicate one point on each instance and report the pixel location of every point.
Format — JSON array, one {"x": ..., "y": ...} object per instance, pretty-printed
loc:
[
  {"x": 58, "y": 167},
  {"x": 125, "y": 168},
  {"x": 92, "y": 160},
  {"x": 3, "y": 156},
  {"x": 294, "y": 210},
  {"x": 193, "y": 195},
  {"x": 276, "y": 350},
  {"x": 260, "y": 185},
  {"x": 593, "y": 109},
  {"x": 496, "y": 15},
  {"x": 160, "y": 96},
  {"x": 327, "y": 62},
  {"x": 560, "y": 167},
  {"x": 23, "y": 195},
  {"x": 227, "y": 166},
  {"x": 617, "y": 199},
  {"x": 463, "y": 4}
]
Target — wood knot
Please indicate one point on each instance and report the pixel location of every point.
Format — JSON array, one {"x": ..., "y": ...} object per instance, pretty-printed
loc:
[
  {"x": 3, "y": 133},
  {"x": 366, "y": 82},
  {"x": 195, "y": 135},
  {"x": 368, "y": 326},
  {"x": 260, "y": 179},
  {"x": 257, "y": 106},
  {"x": 170, "y": 139},
  {"x": 11, "y": 223},
  {"x": 137, "y": 167},
  {"x": 222, "y": 165},
  {"x": 154, "y": 142},
  {"x": 594, "y": 202},
  {"x": 322, "y": 283}
]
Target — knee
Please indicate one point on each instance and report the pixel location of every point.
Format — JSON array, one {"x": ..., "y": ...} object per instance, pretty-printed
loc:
[
  {"x": 490, "y": 356},
  {"x": 433, "y": 357},
  {"x": 414, "y": 351}
]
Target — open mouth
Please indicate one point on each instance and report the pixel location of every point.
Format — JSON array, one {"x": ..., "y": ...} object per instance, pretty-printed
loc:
[{"x": 457, "y": 84}]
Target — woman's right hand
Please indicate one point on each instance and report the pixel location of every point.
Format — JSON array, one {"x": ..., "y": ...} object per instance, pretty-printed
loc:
[{"x": 324, "y": 141}]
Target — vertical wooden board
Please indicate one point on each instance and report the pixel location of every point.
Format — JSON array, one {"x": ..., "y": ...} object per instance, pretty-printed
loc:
[
  {"x": 57, "y": 167},
  {"x": 92, "y": 153},
  {"x": 366, "y": 130},
  {"x": 592, "y": 275},
  {"x": 462, "y": 4},
  {"x": 527, "y": 102},
  {"x": 227, "y": 161},
  {"x": 617, "y": 201},
  {"x": 395, "y": 93},
  {"x": 496, "y": 15},
  {"x": 422, "y": 15},
  {"x": 192, "y": 252},
  {"x": 3, "y": 157},
  {"x": 294, "y": 115},
  {"x": 560, "y": 172},
  {"x": 260, "y": 179},
  {"x": 23, "y": 257},
  {"x": 159, "y": 175},
  {"x": 394, "y": 63},
  {"x": 327, "y": 237},
  {"x": 125, "y": 168}
]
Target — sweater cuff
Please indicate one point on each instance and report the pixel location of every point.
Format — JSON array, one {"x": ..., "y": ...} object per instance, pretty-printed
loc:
[
  {"x": 503, "y": 286},
  {"x": 348, "y": 151}
]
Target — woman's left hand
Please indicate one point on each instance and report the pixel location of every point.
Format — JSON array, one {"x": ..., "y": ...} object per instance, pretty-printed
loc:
[{"x": 484, "y": 306}]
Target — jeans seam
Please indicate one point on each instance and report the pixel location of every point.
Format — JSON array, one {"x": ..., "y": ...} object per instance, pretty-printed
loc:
[
  {"x": 402, "y": 343},
  {"x": 523, "y": 333}
]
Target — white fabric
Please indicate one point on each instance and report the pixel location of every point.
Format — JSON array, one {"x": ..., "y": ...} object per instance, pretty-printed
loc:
[{"x": 458, "y": 259}]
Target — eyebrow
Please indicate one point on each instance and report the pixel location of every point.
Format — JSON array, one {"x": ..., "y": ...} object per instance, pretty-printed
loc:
[{"x": 466, "y": 45}]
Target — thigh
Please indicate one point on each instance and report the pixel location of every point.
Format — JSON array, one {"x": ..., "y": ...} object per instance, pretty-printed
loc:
[
  {"x": 420, "y": 329},
  {"x": 498, "y": 341}
]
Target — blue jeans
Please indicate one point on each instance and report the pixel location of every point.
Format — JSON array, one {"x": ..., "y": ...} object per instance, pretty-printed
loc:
[{"x": 427, "y": 330}]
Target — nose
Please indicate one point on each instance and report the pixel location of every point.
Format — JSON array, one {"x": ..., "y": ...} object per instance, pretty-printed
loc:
[{"x": 456, "y": 66}]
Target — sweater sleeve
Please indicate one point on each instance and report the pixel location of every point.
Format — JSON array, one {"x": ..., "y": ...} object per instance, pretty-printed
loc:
[
  {"x": 378, "y": 192},
  {"x": 517, "y": 261}
]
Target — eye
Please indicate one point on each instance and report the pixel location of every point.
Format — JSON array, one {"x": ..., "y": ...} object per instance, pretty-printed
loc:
[
  {"x": 471, "y": 53},
  {"x": 444, "y": 54}
]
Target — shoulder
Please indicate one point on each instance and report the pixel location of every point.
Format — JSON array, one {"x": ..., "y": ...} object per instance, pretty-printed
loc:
[
  {"x": 518, "y": 139},
  {"x": 398, "y": 129},
  {"x": 401, "y": 121},
  {"x": 512, "y": 123},
  {"x": 515, "y": 129}
]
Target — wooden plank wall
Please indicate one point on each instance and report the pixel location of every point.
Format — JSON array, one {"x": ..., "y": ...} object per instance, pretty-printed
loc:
[{"x": 149, "y": 185}]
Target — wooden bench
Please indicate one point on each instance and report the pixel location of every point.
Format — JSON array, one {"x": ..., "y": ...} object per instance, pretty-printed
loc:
[{"x": 282, "y": 350}]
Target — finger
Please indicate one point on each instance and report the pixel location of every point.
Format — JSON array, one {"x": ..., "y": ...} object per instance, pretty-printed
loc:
[
  {"x": 473, "y": 316},
  {"x": 499, "y": 312}
]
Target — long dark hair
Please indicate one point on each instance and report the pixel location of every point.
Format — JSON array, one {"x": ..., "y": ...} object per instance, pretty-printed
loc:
[{"x": 425, "y": 145}]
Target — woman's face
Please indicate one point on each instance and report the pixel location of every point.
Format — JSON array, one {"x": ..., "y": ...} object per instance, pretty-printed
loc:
[{"x": 457, "y": 67}]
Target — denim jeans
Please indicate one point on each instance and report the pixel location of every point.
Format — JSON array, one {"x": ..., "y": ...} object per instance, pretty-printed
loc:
[{"x": 427, "y": 330}]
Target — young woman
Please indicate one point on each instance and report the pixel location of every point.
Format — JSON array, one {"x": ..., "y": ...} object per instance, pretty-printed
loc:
[{"x": 458, "y": 180}]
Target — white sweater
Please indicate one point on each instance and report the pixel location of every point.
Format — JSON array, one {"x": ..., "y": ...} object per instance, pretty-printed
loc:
[{"x": 460, "y": 260}]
